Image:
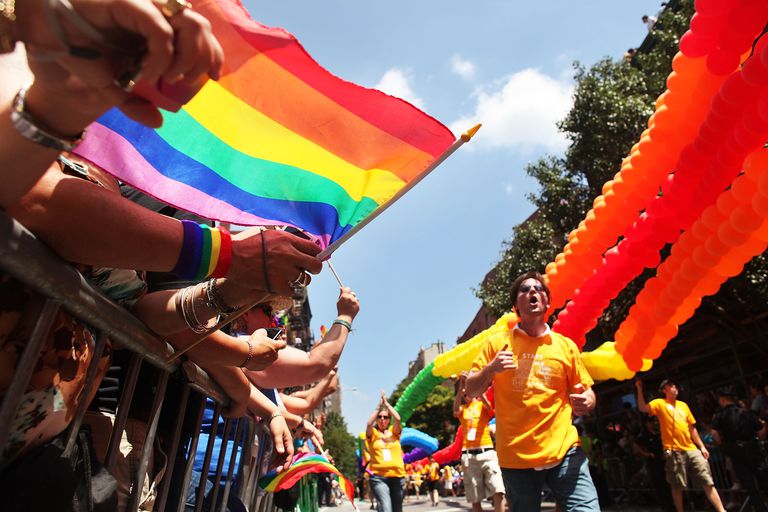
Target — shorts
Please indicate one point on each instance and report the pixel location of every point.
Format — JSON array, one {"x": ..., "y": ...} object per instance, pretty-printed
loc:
[
  {"x": 431, "y": 485},
  {"x": 482, "y": 476},
  {"x": 679, "y": 464}
]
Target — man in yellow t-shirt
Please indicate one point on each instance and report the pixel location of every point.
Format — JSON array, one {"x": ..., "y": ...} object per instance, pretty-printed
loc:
[
  {"x": 482, "y": 475},
  {"x": 678, "y": 435},
  {"x": 432, "y": 476},
  {"x": 540, "y": 383}
]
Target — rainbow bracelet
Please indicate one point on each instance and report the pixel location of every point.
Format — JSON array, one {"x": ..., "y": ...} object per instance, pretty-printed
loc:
[{"x": 205, "y": 251}]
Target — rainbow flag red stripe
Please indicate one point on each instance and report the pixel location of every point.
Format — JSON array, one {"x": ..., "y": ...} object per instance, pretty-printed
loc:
[
  {"x": 277, "y": 140},
  {"x": 304, "y": 464}
]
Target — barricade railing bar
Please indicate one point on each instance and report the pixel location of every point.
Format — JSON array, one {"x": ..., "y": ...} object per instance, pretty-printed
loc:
[{"x": 24, "y": 258}]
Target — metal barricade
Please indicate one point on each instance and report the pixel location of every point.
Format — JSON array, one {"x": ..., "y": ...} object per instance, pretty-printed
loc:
[{"x": 28, "y": 261}]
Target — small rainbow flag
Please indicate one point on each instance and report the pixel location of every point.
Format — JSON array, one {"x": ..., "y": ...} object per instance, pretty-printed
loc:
[
  {"x": 277, "y": 140},
  {"x": 304, "y": 464}
]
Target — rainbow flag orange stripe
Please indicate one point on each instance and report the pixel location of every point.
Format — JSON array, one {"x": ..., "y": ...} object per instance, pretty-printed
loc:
[{"x": 277, "y": 140}]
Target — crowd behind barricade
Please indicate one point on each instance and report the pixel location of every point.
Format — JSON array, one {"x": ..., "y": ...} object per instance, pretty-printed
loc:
[{"x": 627, "y": 454}]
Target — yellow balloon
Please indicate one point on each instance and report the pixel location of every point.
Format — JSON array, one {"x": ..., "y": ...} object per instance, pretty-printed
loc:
[{"x": 605, "y": 363}]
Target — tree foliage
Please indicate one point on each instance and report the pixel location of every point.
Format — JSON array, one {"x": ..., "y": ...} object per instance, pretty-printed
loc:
[
  {"x": 341, "y": 444},
  {"x": 435, "y": 415}
]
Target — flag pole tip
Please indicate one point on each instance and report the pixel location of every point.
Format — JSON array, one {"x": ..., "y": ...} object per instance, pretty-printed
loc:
[{"x": 467, "y": 135}]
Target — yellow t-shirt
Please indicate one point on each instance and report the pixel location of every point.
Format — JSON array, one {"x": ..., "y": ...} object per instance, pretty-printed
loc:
[
  {"x": 474, "y": 420},
  {"x": 386, "y": 453},
  {"x": 432, "y": 472},
  {"x": 674, "y": 421},
  {"x": 533, "y": 412},
  {"x": 447, "y": 473}
]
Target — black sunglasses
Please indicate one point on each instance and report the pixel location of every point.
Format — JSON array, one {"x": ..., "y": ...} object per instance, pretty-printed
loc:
[
  {"x": 527, "y": 287},
  {"x": 381, "y": 416}
]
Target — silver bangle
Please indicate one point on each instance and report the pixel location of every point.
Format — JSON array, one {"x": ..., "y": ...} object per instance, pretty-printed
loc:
[{"x": 32, "y": 129}]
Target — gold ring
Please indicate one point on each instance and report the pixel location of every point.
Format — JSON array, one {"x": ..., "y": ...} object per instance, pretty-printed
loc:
[{"x": 173, "y": 7}]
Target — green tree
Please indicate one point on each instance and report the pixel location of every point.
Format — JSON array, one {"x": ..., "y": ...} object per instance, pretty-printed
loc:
[
  {"x": 341, "y": 444},
  {"x": 434, "y": 416}
]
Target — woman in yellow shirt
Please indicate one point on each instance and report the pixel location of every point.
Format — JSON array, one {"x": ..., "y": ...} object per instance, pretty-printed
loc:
[{"x": 383, "y": 438}]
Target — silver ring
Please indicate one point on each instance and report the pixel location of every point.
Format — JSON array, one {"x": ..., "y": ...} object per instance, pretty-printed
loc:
[{"x": 301, "y": 280}]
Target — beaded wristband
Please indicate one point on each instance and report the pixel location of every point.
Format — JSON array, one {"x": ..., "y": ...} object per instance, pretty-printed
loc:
[
  {"x": 344, "y": 323},
  {"x": 205, "y": 251}
]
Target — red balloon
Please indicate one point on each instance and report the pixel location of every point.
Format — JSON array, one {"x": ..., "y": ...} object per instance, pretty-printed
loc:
[
  {"x": 755, "y": 70},
  {"x": 693, "y": 45},
  {"x": 715, "y": 7},
  {"x": 722, "y": 62}
]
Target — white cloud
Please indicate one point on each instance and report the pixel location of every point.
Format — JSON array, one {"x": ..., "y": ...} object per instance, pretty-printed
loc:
[
  {"x": 520, "y": 112},
  {"x": 396, "y": 82},
  {"x": 462, "y": 67}
]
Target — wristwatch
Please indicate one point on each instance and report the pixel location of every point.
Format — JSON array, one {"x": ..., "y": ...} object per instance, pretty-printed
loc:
[{"x": 30, "y": 128}]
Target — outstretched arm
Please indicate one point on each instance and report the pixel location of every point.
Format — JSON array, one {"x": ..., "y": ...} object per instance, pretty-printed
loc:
[
  {"x": 310, "y": 398},
  {"x": 642, "y": 405},
  {"x": 296, "y": 368}
]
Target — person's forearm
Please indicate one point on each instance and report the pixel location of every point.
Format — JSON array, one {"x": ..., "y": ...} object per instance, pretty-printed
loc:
[
  {"x": 478, "y": 382},
  {"x": 325, "y": 355},
  {"x": 260, "y": 405},
  {"x": 696, "y": 438},
  {"x": 457, "y": 404},
  {"x": 68, "y": 213},
  {"x": 641, "y": 403},
  {"x": 217, "y": 349}
]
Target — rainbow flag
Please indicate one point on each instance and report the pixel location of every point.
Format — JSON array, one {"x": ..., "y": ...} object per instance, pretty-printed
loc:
[
  {"x": 277, "y": 140},
  {"x": 304, "y": 464}
]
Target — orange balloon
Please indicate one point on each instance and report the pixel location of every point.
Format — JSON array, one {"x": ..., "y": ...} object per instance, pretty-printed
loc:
[
  {"x": 726, "y": 203},
  {"x": 745, "y": 219},
  {"x": 729, "y": 266},
  {"x": 743, "y": 189},
  {"x": 730, "y": 236}
]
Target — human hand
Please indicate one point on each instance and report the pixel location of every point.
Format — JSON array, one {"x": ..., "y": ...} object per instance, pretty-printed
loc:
[
  {"x": 639, "y": 385},
  {"x": 282, "y": 454},
  {"x": 333, "y": 386},
  {"x": 265, "y": 350},
  {"x": 306, "y": 430},
  {"x": 504, "y": 360},
  {"x": 582, "y": 400},
  {"x": 288, "y": 257},
  {"x": 383, "y": 398},
  {"x": 348, "y": 303},
  {"x": 130, "y": 36}
]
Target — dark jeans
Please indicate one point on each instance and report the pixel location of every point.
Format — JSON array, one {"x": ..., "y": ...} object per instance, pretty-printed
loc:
[
  {"x": 388, "y": 492},
  {"x": 569, "y": 481}
]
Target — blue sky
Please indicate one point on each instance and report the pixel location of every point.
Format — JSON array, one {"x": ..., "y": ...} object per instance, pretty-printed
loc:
[{"x": 507, "y": 64}]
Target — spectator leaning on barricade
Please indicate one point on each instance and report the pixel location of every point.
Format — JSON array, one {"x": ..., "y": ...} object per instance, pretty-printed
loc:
[
  {"x": 75, "y": 203},
  {"x": 79, "y": 53},
  {"x": 735, "y": 430},
  {"x": 680, "y": 440},
  {"x": 482, "y": 475},
  {"x": 539, "y": 383}
]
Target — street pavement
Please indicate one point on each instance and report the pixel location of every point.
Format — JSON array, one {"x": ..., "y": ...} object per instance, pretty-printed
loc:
[{"x": 459, "y": 504}]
